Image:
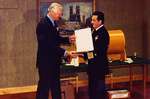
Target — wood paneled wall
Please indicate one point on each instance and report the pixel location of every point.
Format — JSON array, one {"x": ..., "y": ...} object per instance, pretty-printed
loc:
[
  {"x": 17, "y": 43},
  {"x": 18, "y": 40},
  {"x": 128, "y": 16}
]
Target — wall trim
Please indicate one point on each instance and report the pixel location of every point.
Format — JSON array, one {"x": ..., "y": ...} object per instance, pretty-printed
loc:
[{"x": 82, "y": 83}]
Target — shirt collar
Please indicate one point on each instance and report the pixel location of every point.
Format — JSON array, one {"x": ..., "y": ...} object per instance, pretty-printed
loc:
[
  {"x": 99, "y": 27},
  {"x": 51, "y": 20}
]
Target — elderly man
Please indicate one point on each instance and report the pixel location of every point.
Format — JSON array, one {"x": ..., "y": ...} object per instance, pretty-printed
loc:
[{"x": 49, "y": 53}]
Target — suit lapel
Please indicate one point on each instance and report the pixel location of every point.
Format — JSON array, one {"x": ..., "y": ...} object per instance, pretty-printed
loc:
[
  {"x": 95, "y": 35},
  {"x": 49, "y": 21},
  {"x": 51, "y": 24}
]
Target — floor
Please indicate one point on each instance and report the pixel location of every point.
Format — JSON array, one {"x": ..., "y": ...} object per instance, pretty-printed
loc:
[{"x": 136, "y": 93}]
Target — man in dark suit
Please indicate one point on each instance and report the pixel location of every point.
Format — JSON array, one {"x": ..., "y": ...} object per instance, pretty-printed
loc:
[
  {"x": 49, "y": 53},
  {"x": 98, "y": 63}
]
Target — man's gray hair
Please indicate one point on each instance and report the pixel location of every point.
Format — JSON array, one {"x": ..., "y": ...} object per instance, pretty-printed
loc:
[{"x": 55, "y": 6}]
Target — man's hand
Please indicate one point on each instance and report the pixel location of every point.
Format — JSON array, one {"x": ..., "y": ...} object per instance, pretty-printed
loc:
[{"x": 71, "y": 54}]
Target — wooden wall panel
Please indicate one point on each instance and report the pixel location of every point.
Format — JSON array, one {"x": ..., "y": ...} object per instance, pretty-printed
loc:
[
  {"x": 18, "y": 43},
  {"x": 128, "y": 16},
  {"x": 147, "y": 28},
  {"x": 8, "y": 4}
]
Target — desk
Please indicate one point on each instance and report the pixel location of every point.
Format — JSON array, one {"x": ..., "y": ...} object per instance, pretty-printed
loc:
[{"x": 143, "y": 63}]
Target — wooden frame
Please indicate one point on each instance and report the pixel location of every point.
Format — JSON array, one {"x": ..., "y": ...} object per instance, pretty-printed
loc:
[{"x": 75, "y": 14}]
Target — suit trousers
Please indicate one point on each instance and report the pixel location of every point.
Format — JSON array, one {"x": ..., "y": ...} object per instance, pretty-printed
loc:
[
  {"x": 48, "y": 82},
  {"x": 96, "y": 87}
]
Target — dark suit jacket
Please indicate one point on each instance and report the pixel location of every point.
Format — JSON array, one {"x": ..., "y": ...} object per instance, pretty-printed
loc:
[
  {"x": 99, "y": 64},
  {"x": 49, "y": 51}
]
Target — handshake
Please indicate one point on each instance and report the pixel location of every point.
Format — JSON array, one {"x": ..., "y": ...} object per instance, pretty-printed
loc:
[
  {"x": 69, "y": 55},
  {"x": 72, "y": 54}
]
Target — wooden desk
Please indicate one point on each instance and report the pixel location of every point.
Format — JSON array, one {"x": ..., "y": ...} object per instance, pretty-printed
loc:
[
  {"x": 140, "y": 62},
  {"x": 130, "y": 67}
]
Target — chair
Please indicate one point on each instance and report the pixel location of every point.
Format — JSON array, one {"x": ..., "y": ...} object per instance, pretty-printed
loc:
[
  {"x": 71, "y": 78},
  {"x": 116, "y": 50}
]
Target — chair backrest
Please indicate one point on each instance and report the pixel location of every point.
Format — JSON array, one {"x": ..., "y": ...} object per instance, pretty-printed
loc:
[{"x": 116, "y": 50}]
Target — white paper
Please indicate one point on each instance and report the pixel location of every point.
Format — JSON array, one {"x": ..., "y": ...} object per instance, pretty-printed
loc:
[
  {"x": 128, "y": 60},
  {"x": 84, "y": 42},
  {"x": 74, "y": 62}
]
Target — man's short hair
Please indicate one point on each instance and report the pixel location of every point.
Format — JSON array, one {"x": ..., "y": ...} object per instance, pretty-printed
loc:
[
  {"x": 55, "y": 6},
  {"x": 100, "y": 15}
]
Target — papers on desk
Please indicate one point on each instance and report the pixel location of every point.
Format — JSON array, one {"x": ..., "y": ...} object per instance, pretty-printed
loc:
[
  {"x": 84, "y": 42},
  {"x": 74, "y": 62},
  {"x": 128, "y": 60}
]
